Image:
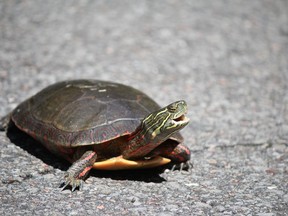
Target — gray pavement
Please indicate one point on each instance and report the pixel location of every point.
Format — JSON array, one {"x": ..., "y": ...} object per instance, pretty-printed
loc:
[{"x": 227, "y": 59}]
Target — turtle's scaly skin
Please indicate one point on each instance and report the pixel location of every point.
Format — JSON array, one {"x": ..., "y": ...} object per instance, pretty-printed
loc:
[{"x": 89, "y": 122}]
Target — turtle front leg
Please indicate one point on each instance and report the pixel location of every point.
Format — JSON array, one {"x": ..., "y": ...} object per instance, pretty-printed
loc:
[
  {"x": 79, "y": 170},
  {"x": 178, "y": 153}
]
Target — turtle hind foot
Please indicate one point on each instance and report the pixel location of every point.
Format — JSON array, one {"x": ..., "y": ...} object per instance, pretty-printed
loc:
[
  {"x": 5, "y": 122},
  {"x": 187, "y": 166},
  {"x": 71, "y": 182}
]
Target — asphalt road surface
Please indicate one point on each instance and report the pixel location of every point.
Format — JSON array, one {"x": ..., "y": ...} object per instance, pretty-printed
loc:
[{"x": 227, "y": 59}]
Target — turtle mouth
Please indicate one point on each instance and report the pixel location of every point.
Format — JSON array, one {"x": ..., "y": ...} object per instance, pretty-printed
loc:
[{"x": 182, "y": 119}]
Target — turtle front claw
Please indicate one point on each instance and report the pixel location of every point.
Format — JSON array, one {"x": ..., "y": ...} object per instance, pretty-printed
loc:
[
  {"x": 79, "y": 170},
  {"x": 72, "y": 182}
]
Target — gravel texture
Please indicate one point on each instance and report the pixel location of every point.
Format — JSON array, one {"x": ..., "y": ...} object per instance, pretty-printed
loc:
[{"x": 227, "y": 59}]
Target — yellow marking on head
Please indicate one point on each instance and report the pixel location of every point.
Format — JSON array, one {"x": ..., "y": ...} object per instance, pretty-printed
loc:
[{"x": 151, "y": 117}]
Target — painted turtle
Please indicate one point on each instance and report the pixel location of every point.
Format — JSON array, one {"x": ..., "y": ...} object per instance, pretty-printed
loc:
[{"x": 102, "y": 125}]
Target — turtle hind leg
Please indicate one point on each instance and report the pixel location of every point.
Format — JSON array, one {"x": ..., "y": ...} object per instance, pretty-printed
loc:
[
  {"x": 79, "y": 170},
  {"x": 5, "y": 121},
  {"x": 178, "y": 153}
]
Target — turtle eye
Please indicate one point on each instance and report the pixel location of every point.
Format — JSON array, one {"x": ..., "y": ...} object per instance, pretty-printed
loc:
[{"x": 172, "y": 108}]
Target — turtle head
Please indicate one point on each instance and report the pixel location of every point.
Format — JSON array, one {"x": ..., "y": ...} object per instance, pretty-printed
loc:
[
  {"x": 162, "y": 123},
  {"x": 156, "y": 128}
]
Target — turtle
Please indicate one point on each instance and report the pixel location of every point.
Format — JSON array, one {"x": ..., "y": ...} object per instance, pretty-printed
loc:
[{"x": 102, "y": 125}]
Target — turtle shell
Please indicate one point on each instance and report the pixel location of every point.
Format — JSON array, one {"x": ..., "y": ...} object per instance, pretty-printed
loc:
[{"x": 83, "y": 112}]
